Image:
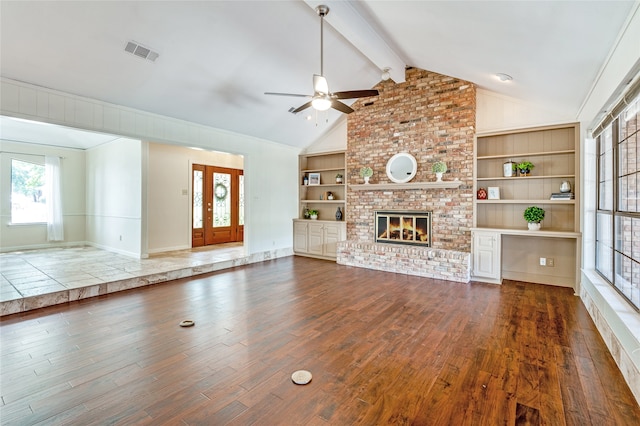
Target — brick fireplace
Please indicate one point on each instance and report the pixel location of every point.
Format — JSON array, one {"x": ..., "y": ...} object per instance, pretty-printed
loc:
[{"x": 432, "y": 117}]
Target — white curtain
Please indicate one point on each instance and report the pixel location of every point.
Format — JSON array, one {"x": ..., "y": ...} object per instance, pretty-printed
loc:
[{"x": 55, "y": 230}]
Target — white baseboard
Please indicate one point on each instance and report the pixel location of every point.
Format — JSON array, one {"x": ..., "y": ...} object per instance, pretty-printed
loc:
[{"x": 55, "y": 244}]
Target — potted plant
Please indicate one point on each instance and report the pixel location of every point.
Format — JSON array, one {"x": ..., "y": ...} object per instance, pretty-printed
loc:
[
  {"x": 439, "y": 167},
  {"x": 313, "y": 214},
  {"x": 366, "y": 173},
  {"x": 524, "y": 167},
  {"x": 534, "y": 215},
  {"x": 339, "y": 178}
]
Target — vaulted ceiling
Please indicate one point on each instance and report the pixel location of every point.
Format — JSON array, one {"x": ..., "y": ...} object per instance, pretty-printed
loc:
[{"x": 217, "y": 58}]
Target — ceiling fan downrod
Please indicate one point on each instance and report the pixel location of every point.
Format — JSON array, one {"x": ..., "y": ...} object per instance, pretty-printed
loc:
[{"x": 322, "y": 11}]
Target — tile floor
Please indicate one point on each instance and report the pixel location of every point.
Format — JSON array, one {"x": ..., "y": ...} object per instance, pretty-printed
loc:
[{"x": 36, "y": 278}]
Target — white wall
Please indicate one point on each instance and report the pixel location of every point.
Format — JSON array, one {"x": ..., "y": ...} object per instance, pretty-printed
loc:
[
  {"x": 271, "y": 177},
  {"x": 29, "y": 236},
  {"x": 496, "y": 112},
  {"x": 114, "y": 194},
  {"x": 169, "y": 192},
  {"x": 335, "y": 139}
]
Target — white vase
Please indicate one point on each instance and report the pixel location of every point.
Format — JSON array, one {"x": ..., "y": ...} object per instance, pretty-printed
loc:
[
  {"x": 438, "y": 176},
  {"x": 314, "y": 216},
  {"x": 534, "y": 226},
  {"x": 366, "y": 179}
]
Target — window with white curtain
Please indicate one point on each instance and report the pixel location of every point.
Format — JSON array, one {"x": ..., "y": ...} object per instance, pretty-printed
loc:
[
  {"x": 28, "y": 200},
  {"x": 618, "y": 213}
]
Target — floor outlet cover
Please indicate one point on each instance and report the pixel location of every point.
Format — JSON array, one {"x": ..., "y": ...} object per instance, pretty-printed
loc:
[
  {"x": 301, "y": 377},
  {"x": 187, "y": 323}
]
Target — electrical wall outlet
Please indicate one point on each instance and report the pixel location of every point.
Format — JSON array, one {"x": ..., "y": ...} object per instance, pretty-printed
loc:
[
  {"x": 550, "y": 261},
  {"x": 543, "y": 261}
]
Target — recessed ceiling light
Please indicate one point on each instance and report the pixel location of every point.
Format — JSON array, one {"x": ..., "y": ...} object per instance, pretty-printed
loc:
[{"x": 504, "y": 77}]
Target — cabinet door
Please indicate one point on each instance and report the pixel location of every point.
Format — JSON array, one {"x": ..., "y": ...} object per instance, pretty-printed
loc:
[
  {"x": 333, "y": 234},
  {"x": 486, "y": 254},
  {"x": 316, "y": 239},
  {"x": 300, "y": 244}
]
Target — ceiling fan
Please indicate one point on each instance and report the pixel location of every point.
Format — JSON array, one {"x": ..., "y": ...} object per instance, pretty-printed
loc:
[{"x": 322, "y": 99}]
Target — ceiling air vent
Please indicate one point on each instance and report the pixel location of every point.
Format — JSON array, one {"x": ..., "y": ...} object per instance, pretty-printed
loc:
[{"x": 141, "y": 51}]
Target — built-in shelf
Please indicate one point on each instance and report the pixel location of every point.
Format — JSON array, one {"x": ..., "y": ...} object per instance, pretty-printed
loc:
[
  {"x": 451, "y": 184},
  {"x": 551, "y": 233},
  {"x": 502, "y": 246},
  {"x": 516, "y": 178},
  {"x": 319, "y": 238},
  {"x": 526, "y": 201},
  {"x": 327, "y": 169},
  {"x": 323, "y": 201},
  {"x": 526, "y": 154}
]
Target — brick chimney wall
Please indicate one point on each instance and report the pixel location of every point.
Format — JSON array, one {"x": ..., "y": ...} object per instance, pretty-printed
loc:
[{"x": 432, "y": 117}]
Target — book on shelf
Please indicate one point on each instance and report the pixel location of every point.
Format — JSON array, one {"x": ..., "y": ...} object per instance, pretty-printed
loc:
[{"x": 562, "y": 196}]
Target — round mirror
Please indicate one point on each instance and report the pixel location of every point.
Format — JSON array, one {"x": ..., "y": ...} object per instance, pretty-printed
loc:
[{"x": 401, "y": 167}]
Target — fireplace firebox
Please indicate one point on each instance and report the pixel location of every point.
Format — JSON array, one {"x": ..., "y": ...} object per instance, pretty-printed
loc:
[{"x": 404, "y": 227}]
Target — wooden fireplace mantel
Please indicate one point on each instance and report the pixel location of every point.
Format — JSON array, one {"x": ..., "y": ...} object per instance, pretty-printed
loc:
[{"x": 449, "y": 184}]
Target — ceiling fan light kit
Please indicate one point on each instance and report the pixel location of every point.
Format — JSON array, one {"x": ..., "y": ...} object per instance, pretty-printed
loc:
[
  {"x": 321, "y": 104},
  {"x": 322, "y": 99}
]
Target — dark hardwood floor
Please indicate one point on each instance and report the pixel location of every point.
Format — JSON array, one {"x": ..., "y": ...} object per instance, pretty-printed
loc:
[{"x": 383, "y": 349}]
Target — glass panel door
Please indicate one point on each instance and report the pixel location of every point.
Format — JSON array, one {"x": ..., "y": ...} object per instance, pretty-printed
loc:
[{"x": 197, "y": 205}]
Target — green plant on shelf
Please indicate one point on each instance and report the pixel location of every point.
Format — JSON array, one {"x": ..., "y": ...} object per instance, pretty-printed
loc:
[
  {"x": 525, "y": 167},
  {"x": 439, "y": 167},
  {"x": 534, "y": 214},
  {"x": 366, "y": 172}
]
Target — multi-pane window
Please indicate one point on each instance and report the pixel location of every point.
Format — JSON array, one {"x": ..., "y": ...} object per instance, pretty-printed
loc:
[
  {"x": 28, "y": 203},
  {"x": 618, "y": 214}
]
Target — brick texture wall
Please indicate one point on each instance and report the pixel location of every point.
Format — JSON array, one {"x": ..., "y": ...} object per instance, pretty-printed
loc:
[{"x": 432, "y": 117}]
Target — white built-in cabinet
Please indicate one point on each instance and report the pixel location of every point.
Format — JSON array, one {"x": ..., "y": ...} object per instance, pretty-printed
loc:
[
  {"x": 320, "y": 190},
  {"x": 502, "y": 246},
  {"x": 300, "y": 236},
  {"x": 319, "y": 239},
  {"x": 485, "y": 246}
]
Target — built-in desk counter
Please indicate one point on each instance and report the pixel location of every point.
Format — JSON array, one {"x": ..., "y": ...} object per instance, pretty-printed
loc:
[{"x": 503, "y": 253}]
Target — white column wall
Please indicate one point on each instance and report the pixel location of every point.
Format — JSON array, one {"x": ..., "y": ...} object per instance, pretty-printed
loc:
[{"x": 114, "y": 194}]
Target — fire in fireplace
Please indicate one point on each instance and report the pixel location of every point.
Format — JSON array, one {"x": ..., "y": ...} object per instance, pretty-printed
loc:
[{"x": 404, "y": 227}]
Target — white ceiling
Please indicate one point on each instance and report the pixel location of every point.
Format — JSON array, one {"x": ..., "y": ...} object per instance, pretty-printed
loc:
[{"x": 217, "y": 58}]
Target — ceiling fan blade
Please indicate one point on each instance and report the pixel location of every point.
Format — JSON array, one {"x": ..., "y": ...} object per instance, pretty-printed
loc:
[
  {"x": 287, "y": 94},
  {"x": 302, "y": 107},
  {"x": 352, "y": 94},
  {"x": 335, "y": 104},
  {"x": 320, "y": 84}
]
